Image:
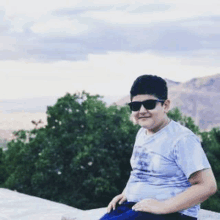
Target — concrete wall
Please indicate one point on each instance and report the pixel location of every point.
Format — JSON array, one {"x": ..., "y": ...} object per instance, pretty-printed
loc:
[{"x": 19, "y": 206}]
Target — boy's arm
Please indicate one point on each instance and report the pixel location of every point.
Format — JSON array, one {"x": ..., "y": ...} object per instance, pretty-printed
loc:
[{"x": 203, "y": 186}]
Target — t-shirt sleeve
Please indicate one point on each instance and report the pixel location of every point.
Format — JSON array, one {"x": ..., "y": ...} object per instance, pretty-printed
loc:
[{"x": 190, "y": 156}]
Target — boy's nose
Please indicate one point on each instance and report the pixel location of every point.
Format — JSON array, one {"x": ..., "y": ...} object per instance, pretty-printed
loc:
[{"x": 142, "y": 109}]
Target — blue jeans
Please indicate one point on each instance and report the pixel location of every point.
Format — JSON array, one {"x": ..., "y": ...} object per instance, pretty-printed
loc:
[{"x": 124, "y": 212}]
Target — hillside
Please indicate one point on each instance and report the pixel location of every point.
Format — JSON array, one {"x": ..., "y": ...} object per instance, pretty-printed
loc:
[
  {"x": 198, "y": 98},
  {"x": 16, "y": 114}
]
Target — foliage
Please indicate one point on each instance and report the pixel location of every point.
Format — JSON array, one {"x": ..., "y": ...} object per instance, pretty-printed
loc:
[
  {"x": 3, "y": 174},
  {"x": 20, "y": 158},
  {"x": 81, "y": 158},
  {"x": 184, "y": 120},
  {"x": 211, "y": 145}
]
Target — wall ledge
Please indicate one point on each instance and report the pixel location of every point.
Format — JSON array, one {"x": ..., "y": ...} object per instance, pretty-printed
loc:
[{"x": 19, "y": 206}]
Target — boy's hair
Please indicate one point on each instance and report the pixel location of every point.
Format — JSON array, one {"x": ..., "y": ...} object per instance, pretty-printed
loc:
[{"x": 151, "y": 85}]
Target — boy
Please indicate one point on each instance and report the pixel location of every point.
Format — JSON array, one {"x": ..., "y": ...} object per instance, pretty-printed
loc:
[{"x": 170, "y": 172}]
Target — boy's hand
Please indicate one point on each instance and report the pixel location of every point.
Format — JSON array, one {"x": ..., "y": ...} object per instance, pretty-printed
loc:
[
  {"x": 150, "y": 205},
  {"x": 119, "y": 198}
]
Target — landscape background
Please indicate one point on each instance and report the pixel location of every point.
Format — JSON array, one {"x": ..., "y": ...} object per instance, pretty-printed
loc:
[
  {"x": 51, "y": 49},
  {"x": 198, "y": 98},
  {"x": 88, "y": 139}
]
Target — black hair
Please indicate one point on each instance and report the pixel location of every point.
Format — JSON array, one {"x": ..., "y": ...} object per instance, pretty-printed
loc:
[{"x": 151, "y": 85}]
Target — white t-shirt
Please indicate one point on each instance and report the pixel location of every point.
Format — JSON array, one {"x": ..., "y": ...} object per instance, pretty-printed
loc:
[{"x": 162, "y": 163}]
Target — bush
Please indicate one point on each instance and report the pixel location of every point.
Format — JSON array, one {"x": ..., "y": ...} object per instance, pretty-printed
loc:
[{"x": 81, "y": 158}]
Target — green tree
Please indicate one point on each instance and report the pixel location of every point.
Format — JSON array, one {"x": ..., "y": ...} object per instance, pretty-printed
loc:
[
  {"x": 211, "y": 145},
  {"x": 186, "y": 121},
  {"x": 3, "y": 174},
  {"x": 81, "y": 158},
  {"x": 20, "y": 158}
]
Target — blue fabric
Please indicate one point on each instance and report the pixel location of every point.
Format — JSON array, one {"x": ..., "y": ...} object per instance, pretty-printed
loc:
[
  {"x": 162, "y": 163},
  {"x": 124, "y": 212}
]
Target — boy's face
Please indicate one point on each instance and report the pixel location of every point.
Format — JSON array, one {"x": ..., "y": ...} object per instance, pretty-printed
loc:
[{"x": 153, "y": 119}]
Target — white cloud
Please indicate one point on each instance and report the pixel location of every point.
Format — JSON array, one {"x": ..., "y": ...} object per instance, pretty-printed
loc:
[
  {"x": 36, "y": 9},
  {"x": 39, "y": 8},
  {"x": 7, "y": 43},
  {"x": 125, "y": 17},
  {"x": 110, "y": 74},
  {"x": 173, "y": 42},
  {"x": 60, "y": 27},
  {"x": 204, "y": 27},
  {"x": 178, "y": 10}
]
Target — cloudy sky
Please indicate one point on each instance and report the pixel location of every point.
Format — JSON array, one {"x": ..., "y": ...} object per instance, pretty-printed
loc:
[{"x": 50, "y": 47}]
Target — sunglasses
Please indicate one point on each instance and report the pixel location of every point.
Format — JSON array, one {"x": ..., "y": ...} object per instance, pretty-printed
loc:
[{"x": 148, "y": 104}]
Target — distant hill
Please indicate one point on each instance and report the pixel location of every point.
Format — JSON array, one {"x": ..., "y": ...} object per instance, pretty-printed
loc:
[
  {"x": 198, "y": 98},
  {"x": 204, "y": 84},
  {"x": 36, "y": 104},
  {"x": 16, "y": 114},
  {"x": 31, "y": 105}
]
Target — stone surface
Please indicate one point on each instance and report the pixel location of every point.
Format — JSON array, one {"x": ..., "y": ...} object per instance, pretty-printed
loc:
[
  {"x": 18, "y": 206},
  {"x": 93, "y": 214}
]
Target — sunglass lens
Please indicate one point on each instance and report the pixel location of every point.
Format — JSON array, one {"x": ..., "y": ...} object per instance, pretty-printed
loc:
[
  {"x": 149, "y": 104},
  {"x": 135, "y": 106}
]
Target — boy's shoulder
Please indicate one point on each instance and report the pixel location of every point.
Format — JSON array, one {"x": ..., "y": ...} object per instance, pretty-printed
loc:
[
  {"x": 179, "y": 131},
  {"x": 176, "y": 127}
]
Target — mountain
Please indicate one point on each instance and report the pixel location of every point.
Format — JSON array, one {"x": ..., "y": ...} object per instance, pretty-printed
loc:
[
  {"x": 171, "y": 83},
  {"x": 198, "y": 98},
  {"x": 204, "y": 84}
]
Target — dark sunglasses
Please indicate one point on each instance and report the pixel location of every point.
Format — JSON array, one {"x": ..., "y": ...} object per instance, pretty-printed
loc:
[{"x": 148, "y": 104}]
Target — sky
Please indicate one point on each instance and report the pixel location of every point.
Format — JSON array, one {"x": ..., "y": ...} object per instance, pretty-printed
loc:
[{"x": 51, "y": 47}]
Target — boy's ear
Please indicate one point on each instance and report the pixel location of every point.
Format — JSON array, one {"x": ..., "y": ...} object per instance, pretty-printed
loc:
[{"x": 166, "y": 106}]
